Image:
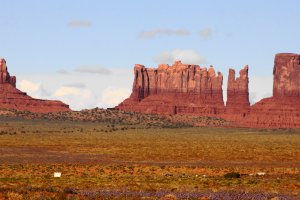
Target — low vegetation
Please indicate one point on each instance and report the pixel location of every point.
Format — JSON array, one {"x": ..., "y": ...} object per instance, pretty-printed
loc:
[
  {"x": 109, "y": 160},
  {"x": 116, "y": 117}
]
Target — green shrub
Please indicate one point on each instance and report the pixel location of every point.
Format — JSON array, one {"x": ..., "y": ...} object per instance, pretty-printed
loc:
[{"x": 232, "y": 175}]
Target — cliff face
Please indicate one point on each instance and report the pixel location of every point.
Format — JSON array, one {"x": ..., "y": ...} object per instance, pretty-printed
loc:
[
  {"x": 238, "y": 93},
  {"x": 178, "y": 79},
  {"x": 179, "y": 88},
  {"x": 190, "y": 89},
  {"x": 4, "y": 75},
  {"x": 286, "y": 75},
  {"x": 283, "y": 109},
  {"x": 12, "y": 98}
]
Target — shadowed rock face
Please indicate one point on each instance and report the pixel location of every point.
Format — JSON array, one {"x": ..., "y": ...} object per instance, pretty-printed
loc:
[
  {"x": 12, "y": 98},
  {"x": 179, "y": 88}
]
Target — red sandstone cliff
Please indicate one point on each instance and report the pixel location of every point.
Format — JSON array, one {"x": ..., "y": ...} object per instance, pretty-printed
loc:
[
  {"x": 190, "y": 89},
  {"x": 283, "y": 109},
  {"x": 4, "y": 75},
  {"x": 180, "y": 88},
  {"x": 286, "y": 75},
  {"x": 12, "y": 98},
  {"x": 238, "y": 93}
]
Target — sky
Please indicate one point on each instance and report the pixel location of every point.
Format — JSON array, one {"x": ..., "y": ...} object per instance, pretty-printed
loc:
[{"x": 83, "y": 52}]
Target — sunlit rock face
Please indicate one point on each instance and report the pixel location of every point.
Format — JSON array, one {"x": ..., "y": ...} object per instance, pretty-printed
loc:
[
  {"x": 286, "y": 75},
  {"x": 238, "y": 93},
  {"x": 180, "y": 88},
  {"x": 4, "y": 75},
  {"x": 283, "y": 108},
  {"x": 12, "y": 98},
  {"x": 191, "y": 89}
]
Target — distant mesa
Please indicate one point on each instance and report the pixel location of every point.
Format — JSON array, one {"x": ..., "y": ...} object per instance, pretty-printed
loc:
[
  {"x": 191, "y": 89},
  {"x": 187, "y": 89},
  {"x": 175, "y": 89},
  {"x": 12, "y": 98}
]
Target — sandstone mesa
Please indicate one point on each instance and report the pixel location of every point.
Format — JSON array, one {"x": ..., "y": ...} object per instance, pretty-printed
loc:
[
  {"x": 12, "y": 98},
  {"x": 191, "y": 89}
]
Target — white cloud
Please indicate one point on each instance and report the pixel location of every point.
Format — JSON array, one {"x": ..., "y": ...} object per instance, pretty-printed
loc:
[
  {"x": 259, "y": 88},
  {"x": 34, "y": 89},
  {"x": 64, "y": 91},
  {"x": 79, "y": 24},
  {"x": 77, "y": 98},
  {"x": 76, "y": 85},
  {"x": 206, "y": 33},
  {"x": 62, "y": 71},
  {"x": 78, "y": 90},
  {"x": 112, "y": 97},
  {"x": 163, "y": 32},
  {"x": 93, "y": 70},
  {"x": 185, "y": 55},
  {"x": 28, "y": 86}
]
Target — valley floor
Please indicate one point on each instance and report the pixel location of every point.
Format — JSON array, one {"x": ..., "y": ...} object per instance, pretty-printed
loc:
[{"x": 106, "y": 160}]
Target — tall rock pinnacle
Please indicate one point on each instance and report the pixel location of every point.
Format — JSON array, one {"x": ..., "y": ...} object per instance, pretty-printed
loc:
[
  {"x": 238, "y": 92},
  {"x": 4, "y": 75},
  {"x": 286, "y": 75}
]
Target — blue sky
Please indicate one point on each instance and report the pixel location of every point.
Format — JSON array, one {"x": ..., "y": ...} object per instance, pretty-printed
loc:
[{"x": 60, "y": 39}]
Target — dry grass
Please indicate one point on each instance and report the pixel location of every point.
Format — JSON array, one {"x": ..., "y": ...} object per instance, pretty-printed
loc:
[{"x": 93, "y": 156}]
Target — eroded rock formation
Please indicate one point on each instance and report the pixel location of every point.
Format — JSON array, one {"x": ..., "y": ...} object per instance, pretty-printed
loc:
[
  {"x": 286, "y": 75},
  {"x": 190, "y": 89},
  {"x": 12, "y": 98},
  {"x": 283, "y": 109},
  {"x": 179, "y": 88},
  {"x": 238, "y": 93},
  {"x": 4, "y": 75}
]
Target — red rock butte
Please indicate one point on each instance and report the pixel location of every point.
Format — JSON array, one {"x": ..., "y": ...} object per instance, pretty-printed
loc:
[
  {"x": 191, "y": 89},
  {"x": 175, "y": 89},
  {"x": 12, "y": 98},
  {"x": 282, "y": 110}
]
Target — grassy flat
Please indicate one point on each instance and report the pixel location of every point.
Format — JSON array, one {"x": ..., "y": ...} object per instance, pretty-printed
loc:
[{"x": 133, "y": 161}]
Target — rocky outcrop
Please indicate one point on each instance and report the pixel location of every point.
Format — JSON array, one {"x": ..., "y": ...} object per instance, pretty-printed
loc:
[
  {"x": 12, "y": 98},
  {"x": 238, "y": 93},
  {"x": 180, "y": 88},
  {"x": 286, "y": 75},
  {"x": 282, "y": 110},
  {"x": 4, "y": 75},
  {"x": 190, "y": 89}
]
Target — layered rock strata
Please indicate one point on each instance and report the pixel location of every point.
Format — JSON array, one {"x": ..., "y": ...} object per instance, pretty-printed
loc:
[
  {"x": 190, "y": 89},
  {"x": 180, "y": 88},
  {"x": 238, "y": 93},
  {"x": 12, "y": 98},
  {"x": 4, "y": 75},
  {"x": 282, "y": 110}
]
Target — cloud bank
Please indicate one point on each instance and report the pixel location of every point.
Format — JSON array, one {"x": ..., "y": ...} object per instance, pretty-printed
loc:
[
  {"x": 80, "y": 90},
  {"x": 113, "y": 96},
  {"x": 163, "y": 32},
  {"x": 79, "y": 24},
  {"x": 93, "y": 70},
  {"x": 206, "y": 33},
  {"x": 185, "y": 55}
]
